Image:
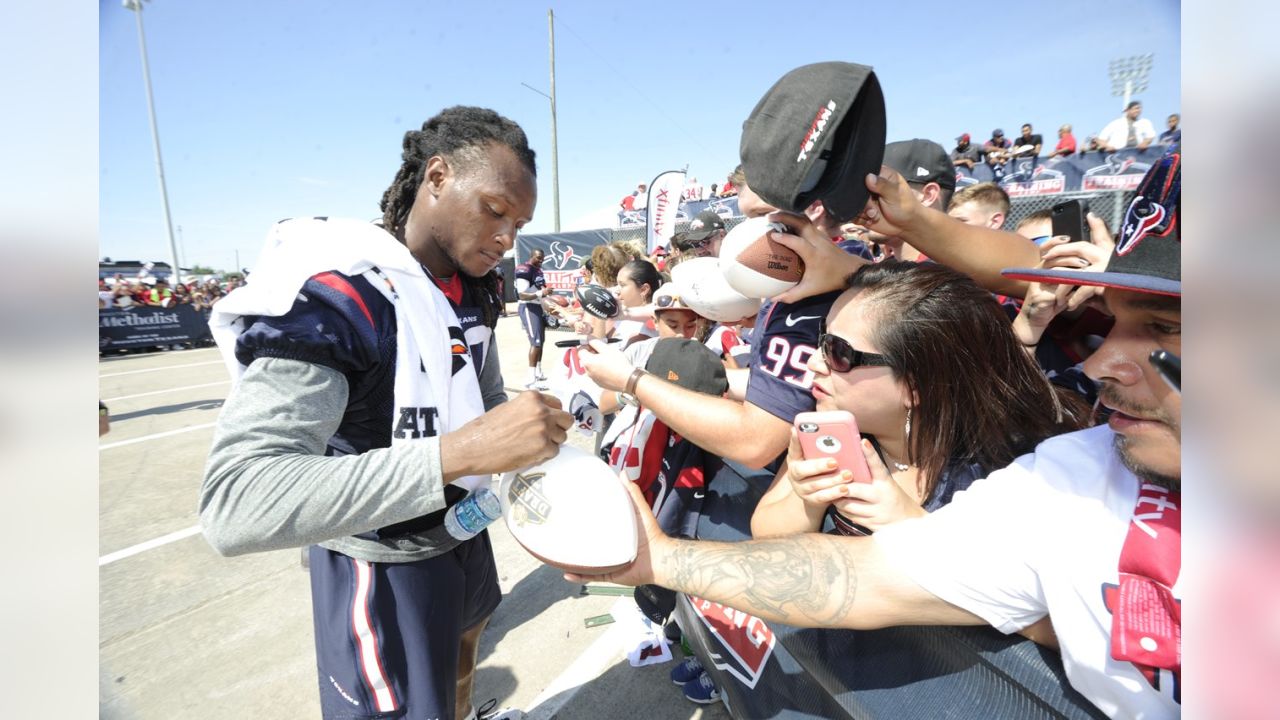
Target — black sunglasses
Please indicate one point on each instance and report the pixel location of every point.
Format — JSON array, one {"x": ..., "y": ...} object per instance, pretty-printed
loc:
[{"x": 840, "y": 356}]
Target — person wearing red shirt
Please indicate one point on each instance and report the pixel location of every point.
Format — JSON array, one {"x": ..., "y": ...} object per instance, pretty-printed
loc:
[{"x": 1066, "y": 143}]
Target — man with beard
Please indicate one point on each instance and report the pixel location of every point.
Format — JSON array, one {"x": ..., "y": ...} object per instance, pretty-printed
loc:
[
  {"x": 1086, "y": 529},
  {"x": 369, "y": 399}
]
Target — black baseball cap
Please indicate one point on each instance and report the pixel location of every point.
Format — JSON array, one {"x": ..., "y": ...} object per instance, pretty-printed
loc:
[
  {"x": 1148, "y": 254},
  {"x": 814, "y": 136},
  {"x": 689, "y": 364},
  {"x": 921, "y": 161},
  {"x": 702, "y": 227}
]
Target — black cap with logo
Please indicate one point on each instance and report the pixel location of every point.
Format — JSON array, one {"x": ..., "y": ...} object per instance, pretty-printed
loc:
[
  {"x": 814, "y": 136},
  {"x": 702, "y": 227},
  {"x": 689, "y": 364},
  {"x": 921, "y": 161}
]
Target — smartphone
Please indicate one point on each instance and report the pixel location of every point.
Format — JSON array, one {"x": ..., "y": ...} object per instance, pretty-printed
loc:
[
  {"x": 833, "y": 434},
  {"x": 1069, "y": 218}
]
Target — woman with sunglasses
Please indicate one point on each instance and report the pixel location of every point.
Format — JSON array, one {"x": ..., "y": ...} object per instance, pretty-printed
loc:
[{"x": 928, "y": 364}]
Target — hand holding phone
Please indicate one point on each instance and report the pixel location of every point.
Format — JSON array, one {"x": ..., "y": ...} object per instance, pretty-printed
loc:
[
  {"x": 1069, "y": 218},
  {"x": 833, "y": 434}
]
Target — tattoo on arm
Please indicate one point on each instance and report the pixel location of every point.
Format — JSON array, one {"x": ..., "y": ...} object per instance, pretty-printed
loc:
[{"x": 809, "y": 581}]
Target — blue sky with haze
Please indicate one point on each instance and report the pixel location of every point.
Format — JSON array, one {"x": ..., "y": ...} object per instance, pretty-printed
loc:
[{"x": 273, "y": 109}]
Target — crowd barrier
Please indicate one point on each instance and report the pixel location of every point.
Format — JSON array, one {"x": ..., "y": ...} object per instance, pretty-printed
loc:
[
  {"x": 138, "y": 327},
  {"x": 777, "y": 671}
]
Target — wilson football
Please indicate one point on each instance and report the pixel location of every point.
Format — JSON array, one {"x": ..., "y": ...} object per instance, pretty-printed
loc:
[{"x": 755, "y": 265}]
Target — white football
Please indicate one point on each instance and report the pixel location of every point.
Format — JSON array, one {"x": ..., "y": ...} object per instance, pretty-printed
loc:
[
  {"x": 703, "y": 288},
  {"x": 755, "y": 265},
  {"x": 572, "y": 512}
]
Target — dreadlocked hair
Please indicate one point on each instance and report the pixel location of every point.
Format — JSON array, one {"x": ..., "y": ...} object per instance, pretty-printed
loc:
[{"x": 453, "y": 134}]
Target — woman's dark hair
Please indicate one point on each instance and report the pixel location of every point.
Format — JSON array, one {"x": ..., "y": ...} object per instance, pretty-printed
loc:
[
  {"x": 981, "y": 398},
  {"x": 642, "y": 272},
  {"x": 456, "y": 134}
]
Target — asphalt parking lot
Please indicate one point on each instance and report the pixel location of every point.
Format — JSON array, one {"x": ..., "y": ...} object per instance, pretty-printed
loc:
[{"x": 185, "y": 633}]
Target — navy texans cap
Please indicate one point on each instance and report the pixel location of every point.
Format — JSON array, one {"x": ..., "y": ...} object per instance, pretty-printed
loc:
[{"x": 1148, "y": 254}]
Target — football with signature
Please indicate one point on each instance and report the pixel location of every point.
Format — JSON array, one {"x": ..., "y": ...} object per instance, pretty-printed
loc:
[
  {"x": 572, "y": 512},
  {"x": 756, "y": 265}
]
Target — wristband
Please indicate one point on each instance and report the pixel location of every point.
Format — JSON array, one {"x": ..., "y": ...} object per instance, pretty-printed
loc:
[{"x": 635, "y": 378}]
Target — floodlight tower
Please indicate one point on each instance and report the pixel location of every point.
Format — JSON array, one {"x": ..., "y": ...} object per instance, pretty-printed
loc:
[
  {"x": 1129, "y": 75},
  {"x": 136, "y": 7}
]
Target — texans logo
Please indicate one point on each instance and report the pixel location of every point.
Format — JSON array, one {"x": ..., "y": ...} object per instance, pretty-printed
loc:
[
  {"x": 561, "y": 253},
  {"x": 1143, "y": 218},
  {"x": 1154, "y": 209},
  {"x": 457, "y": 349}
]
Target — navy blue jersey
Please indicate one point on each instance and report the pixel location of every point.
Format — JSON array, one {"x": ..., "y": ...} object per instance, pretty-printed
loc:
[
  {"x": 785, "y": 337},
  {"x": 344, "y": 323},
  {"x": 532, "y": 277}
]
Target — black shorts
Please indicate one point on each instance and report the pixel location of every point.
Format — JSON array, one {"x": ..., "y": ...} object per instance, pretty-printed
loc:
[{"x": 387, "y": 634}]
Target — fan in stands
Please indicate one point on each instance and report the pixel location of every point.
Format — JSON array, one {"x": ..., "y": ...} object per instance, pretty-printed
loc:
[
  {"x": 754, "y": 264},
  {"x": 571, "y": 512}
]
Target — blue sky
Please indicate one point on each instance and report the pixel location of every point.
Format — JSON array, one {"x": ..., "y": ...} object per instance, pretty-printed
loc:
[{"x": 275, "y": 109}]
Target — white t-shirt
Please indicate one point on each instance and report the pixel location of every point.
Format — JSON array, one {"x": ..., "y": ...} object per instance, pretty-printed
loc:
[
  {"x": 1042, "y": 535},
  {"x": 624, "y": 330},
  {"x": 1116, "y": 133}
]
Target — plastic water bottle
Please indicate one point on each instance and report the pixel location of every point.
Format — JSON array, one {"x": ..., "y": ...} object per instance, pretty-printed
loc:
[{"x": 474, "y": 513}]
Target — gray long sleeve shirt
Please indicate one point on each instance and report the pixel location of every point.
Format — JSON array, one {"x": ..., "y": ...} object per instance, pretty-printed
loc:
[{"x": 268, "y": 484}]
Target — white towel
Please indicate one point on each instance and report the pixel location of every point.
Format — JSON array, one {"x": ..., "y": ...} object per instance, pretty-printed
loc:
[{"x": 296, "y": 250}]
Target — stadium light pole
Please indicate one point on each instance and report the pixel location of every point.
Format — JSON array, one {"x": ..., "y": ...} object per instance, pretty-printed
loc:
[
  {"x": 136, "y": 7},
  {"x": 555, "y": 154},
  {"x": 1129, "y": 75}
]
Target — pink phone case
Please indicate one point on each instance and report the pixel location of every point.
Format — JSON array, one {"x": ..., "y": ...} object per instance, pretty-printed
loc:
[{"x": 833, "y": 434}]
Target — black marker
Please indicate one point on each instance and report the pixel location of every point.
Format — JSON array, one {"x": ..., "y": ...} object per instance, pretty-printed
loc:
[
  {"x": 580, "y": 341},
  {"x": 1170, "y": 368}
]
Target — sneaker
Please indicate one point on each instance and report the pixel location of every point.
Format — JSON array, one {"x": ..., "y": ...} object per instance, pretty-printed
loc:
[
  {"x": 487, "y": 711},
  {"x": 686, "y": 671},
  {"x": 702, "y": 690}
]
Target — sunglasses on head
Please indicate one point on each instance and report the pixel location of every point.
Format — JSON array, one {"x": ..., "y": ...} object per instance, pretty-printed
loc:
[
  {"x": 840, "y": 356},
  {"x": 666, "y": 301}
]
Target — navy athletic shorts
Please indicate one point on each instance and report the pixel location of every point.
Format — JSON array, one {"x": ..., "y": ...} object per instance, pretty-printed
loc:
[
  {"x": 387, "y": 634},
  {"x": 535, "y": 325}
]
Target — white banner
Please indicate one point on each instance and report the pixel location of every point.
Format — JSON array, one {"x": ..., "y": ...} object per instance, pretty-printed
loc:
[{"x": 664, "y": 204}]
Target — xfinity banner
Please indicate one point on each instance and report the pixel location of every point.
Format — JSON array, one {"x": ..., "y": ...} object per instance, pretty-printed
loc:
[
  {"x": 151, "y": 326},
  {"x": 664, "y": 203}
]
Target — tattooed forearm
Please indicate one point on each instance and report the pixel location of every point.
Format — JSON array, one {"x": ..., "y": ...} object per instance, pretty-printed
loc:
[{"x": 804, "y": 581}]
